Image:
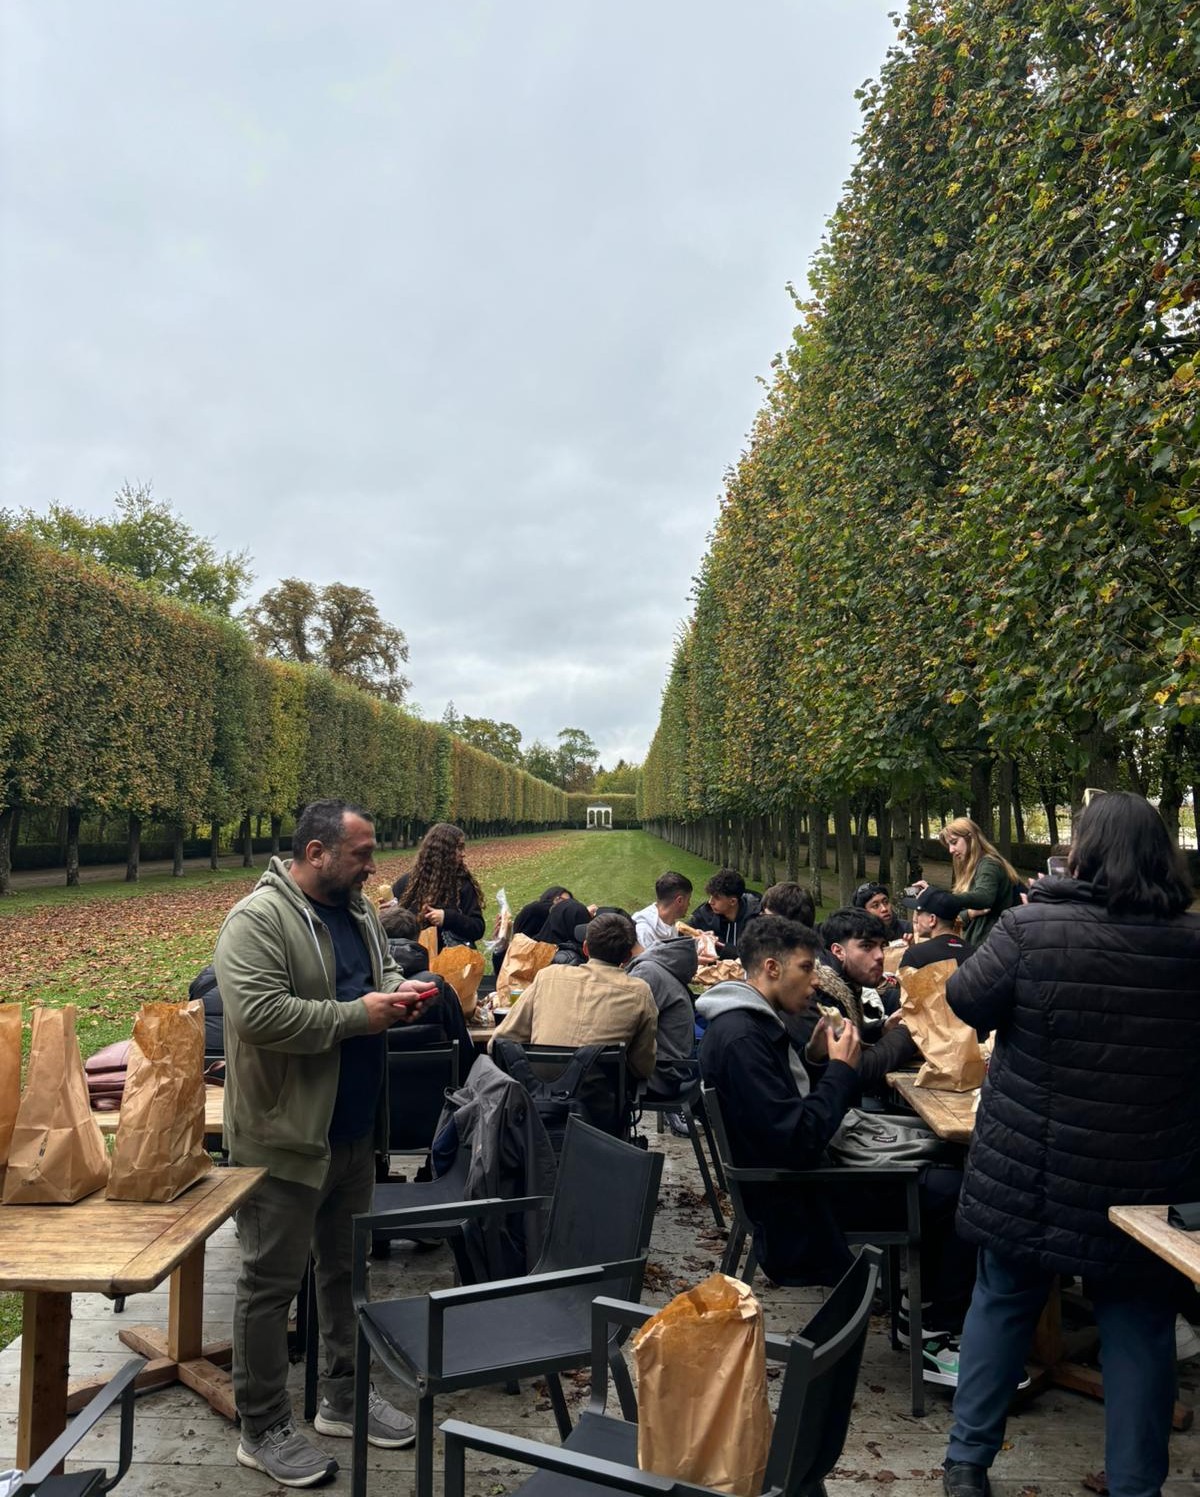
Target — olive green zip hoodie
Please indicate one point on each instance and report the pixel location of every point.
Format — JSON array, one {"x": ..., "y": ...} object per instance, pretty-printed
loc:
[{"x": 284, "y": 1025}]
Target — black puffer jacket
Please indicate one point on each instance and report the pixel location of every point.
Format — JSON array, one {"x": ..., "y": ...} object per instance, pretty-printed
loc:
[{"x": 1093, "y": 1093}]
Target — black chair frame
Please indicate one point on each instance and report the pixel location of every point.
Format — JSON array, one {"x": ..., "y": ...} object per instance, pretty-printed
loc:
[
  {"x": 830, "y": 1178},
  {"x": 691, "y": 1104},
  {"x": 549, "y": 1061},
  {"x": 41, "y": 1477},
  {"x": 805, "y": 1446},
  {"x": 568, "y": 1288}
]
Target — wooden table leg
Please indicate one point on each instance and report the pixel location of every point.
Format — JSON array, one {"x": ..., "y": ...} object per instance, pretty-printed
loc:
[
  {"x": 45, "y": 1359},
  {"x": 180, "y": 1355}
]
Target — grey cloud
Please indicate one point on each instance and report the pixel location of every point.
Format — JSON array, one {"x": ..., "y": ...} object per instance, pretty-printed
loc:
[{"x": 461, "y": 303}]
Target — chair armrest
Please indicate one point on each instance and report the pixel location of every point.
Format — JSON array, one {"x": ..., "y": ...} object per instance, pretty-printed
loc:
[
  {"x": 605, "y": 1313},
  {"x": 441, "y": 1300},
  {"x": 369, "y": 1222},
  {"x": 120, "y": 1386},
  {"x": 460, "y": 1436}
]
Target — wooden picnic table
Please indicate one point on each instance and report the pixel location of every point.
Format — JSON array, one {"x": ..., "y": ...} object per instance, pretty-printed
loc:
[
  {"x": 214, "y": 1119},
  {"x": 1148, "y": 1225},
  {"x": 1059, "y": 1357},
  {"x": 97, "y": 1246},
  {"x": 951, "y": 1115}
]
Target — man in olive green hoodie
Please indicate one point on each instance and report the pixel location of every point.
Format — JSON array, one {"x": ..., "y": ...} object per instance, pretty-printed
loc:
[{"x": 309, "y": 988}]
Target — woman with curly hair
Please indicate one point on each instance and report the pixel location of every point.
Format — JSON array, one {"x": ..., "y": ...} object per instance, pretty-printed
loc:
[
  {"x": 441, "y": 890},
  {"x": 984, "y": 879}
]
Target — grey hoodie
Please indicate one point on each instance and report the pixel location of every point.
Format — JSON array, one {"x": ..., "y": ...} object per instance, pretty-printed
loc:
[
  {"x": 730, "y": 995},
  {"x": 666, "y": 968}
]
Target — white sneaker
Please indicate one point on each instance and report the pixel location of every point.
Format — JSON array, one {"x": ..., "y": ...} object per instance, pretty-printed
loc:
[{"x": 1187, "y": 1342}]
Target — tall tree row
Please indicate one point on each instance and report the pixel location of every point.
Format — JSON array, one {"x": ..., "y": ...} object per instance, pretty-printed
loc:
[
  {"x": 117, "y": 699},
  {"x": 964, "y": 541}
]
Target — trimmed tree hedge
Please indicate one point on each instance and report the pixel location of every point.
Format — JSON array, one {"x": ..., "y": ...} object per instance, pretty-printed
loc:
[{"x": 119, "y": 700}]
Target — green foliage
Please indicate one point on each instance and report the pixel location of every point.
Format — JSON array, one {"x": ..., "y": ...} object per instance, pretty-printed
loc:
[
  {"x": 967, "y": 524},
  {"x": 501, "y": 740},
  {"x": 118, "y": 700},
  {"x": 146, "y": 539},
  {"x": 621, "y": 779}
]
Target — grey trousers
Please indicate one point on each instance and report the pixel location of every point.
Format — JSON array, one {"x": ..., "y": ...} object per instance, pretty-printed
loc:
[{"x": 276, "y": 1228}]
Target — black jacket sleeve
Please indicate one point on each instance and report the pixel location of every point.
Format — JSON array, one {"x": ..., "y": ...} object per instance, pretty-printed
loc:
[
  {"x": 982, "y": 992},
  {"x": 891, "y": 1052},
  {"x": 773, "y": 1124},
  {"x": 465, "y": 922}
]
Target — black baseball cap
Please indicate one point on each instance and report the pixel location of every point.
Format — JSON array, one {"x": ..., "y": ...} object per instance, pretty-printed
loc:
[{"x": 931, "y": 901}]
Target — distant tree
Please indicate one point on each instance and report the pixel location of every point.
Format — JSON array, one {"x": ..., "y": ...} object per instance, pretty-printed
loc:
[
  {"x": 451, "y": 721},
  {"x": 576, "y": 756},
  {"x": 541, "y": 761},
  {"x": 501, "y": 740},
  {"x": 337, "y": 626},
  {"x": 620, "y": 780},
  {"x": 146, "y": 539}
]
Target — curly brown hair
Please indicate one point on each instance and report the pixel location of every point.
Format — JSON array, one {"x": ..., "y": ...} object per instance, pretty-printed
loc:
[{"x": 436, "y": 877}]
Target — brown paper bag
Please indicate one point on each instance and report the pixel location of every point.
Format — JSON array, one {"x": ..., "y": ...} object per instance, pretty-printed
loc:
[
  {"x": 702, "y": 1388},
  {"x": 953, "y": 1059},
  {"x": 10, "y": 1075},
  {"x": 159, "y": 1150},
  {"x": 57, "y": 1152},
  {"x": 522, "y": 962},
  {"x": 726, "y": 970},
  {"x": 462, "y": 967},
  {"x": 429, "y": 939}
]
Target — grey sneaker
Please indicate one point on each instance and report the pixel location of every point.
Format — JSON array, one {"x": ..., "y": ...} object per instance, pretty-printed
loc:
[
  {"x": 286, "y": 1456},
  {"x": 388, "y": 1428}
]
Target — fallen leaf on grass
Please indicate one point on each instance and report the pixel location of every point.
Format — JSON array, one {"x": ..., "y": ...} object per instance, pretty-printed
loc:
[{"x": 1096, "y": 1481}]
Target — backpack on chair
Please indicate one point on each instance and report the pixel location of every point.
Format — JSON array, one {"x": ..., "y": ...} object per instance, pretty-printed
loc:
[{"x": 578, "y": 1090}]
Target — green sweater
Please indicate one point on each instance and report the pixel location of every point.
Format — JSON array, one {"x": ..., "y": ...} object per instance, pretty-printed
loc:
[
  {"x": 991, "y": 892},
  {"x": 284, "y": 1025}
]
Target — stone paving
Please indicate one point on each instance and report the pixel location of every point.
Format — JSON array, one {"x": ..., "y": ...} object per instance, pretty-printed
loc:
[{"x": 182, "y": 1448}]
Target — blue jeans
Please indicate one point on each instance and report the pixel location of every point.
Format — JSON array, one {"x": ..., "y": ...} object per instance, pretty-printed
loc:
[{"x": 1137, "y": 1336}]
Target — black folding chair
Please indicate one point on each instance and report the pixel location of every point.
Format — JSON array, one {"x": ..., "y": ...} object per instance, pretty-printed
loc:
[
  {"x": 601, "y": 1216},
  {"x": 906, "y": 1236},
  {"x": 40, "y": 1477},
  {"x": 600, "y": 1454},
  {"x": 690, "y": 1104}
]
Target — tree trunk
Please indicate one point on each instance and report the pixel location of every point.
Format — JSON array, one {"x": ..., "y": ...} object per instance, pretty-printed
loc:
[
  {"x": 276, "y": 825},
  {"x": 792, "y": 831},
  {"x": 135, "y": 849},
  {"x": 214, "y": 845},
  {"x": 981, "y": 796},
  {"x": 1049, "y": 798},
  {"x": 899, "y": 868},
  {"x": 843, "y": 833},
  {"x": 73, "y": 819},
  {"x": 860, "y": 855},
  {"x": 8, "y": 820},
  {"x": 1171, "y": 776},
  {"x": 883, "y": 825},
  {"x": 1018, "y": 809},
  {"x": 247, "y": 843},
  {"x": 1004, "y": 806},
  {"x": 177, "y": 850},
  {"x": 816, "y": 850}
]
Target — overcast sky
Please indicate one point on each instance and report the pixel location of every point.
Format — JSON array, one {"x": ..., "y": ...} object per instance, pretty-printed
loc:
[{"x": 464, "y": 303}]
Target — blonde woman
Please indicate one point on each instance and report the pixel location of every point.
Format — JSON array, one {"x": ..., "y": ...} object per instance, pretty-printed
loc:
[{"x": 983, "y": 878}]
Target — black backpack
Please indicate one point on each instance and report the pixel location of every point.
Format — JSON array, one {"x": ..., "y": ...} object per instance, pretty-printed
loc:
[{"x": 579, "y": 1090}]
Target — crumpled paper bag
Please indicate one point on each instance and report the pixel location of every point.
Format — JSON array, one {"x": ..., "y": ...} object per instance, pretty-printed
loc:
[
  {"x": 522, "y": 962},
  {"x": 159, "y": 1151},
  {"x": 953, "y": 1058},
  {"x": 10, "y": 1076},
  {"x": 57, "y": 1152},
  {"x": 462, "y": 967},
  {"x": 703, "y": 1415}
]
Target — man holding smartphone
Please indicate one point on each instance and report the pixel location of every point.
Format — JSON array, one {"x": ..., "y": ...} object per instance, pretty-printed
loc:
[{"x": 309, "y": 989}]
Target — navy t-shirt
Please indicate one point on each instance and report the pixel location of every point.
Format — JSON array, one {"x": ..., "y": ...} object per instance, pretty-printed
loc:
[{"x": 363, "y": 1055}]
